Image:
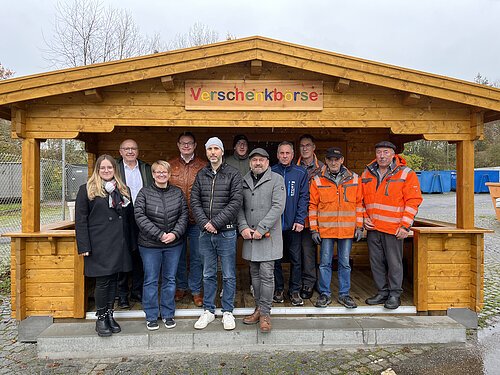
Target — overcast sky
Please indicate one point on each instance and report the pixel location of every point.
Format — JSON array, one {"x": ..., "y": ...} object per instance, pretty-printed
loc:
[{"x": 456, "y": 38}]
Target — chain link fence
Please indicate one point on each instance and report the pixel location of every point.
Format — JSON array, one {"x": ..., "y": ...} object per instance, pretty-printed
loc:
[{"x": 56, "y": 188}]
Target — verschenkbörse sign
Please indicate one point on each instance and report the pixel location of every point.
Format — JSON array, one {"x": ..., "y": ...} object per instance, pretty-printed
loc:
[{"x": 256, "y": 95}]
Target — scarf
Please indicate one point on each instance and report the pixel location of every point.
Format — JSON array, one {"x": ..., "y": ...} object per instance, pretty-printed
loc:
[{"x": 116, "y": 199}]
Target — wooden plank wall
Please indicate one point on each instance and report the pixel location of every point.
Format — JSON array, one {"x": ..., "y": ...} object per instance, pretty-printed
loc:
[
  {"x": 446, "y": 271},
  {"x": 50, "y": 278}
]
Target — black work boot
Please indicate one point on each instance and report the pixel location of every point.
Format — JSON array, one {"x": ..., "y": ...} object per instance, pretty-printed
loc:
[
  {"x": 102, "y": 324},
  {"x": 113, "y": 325}
]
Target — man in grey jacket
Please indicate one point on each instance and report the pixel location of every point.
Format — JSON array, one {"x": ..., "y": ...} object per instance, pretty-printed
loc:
[{"x": 259, "y": 223}]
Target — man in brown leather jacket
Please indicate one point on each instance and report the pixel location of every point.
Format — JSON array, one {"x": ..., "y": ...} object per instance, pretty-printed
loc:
[{"x": 184, "y": 170}]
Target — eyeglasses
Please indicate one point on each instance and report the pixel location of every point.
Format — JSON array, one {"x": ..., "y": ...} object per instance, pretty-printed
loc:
[
  {"x": 309, "y": 145},
  {"x": 241, "y": 143},
  {"x": 188, "y": 144},
  {"x": 160, "y": 172},
  {"x": 128, "y": 149}
]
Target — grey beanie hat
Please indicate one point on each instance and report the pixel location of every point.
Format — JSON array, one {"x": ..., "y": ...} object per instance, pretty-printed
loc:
[{"x": 214, "y": 141}]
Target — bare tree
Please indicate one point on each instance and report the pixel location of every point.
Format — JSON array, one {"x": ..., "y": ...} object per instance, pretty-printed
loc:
[
  {"x": 86, "y": 32},
  {"x": 5, "y": 72},
  {"x": 198, "y": 35}
]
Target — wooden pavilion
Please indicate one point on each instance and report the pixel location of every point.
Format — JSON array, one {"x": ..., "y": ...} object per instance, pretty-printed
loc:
[{"x": 270, "y": 91}]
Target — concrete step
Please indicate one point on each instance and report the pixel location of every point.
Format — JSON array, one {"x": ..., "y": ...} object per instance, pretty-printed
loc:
[{"x": 79, "y": 340}]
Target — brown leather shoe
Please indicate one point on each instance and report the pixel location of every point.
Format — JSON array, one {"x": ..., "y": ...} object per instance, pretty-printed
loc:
[
  {"x": 179, "y": 294},
  {"x": 265, "y": 323},
  {"x": 252, "y": 319},
  {"x": 198, "y": 299}
]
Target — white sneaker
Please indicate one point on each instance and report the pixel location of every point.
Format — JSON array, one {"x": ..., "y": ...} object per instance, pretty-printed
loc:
[
  {"x": 204, "y": 319},
  {"x": 228, "y": 321}
]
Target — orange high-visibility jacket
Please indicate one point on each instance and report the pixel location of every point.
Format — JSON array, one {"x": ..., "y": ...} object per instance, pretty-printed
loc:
[
  {"x": 335, "y": 211},
  {"x": 393, "y": 202}
]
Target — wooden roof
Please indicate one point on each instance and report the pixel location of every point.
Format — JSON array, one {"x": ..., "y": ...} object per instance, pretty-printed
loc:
[{"x": 240, "y": 50}]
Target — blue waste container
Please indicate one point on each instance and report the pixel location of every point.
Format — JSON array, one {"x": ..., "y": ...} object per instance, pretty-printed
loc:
[
  {"x": 434, "y": 181},
  {"x": 454, "y": 180},
  {"x": 482, "y": 176}
]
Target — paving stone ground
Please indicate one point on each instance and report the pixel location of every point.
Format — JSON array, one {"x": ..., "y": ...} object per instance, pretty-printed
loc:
[{"x": 21, "y": 358}]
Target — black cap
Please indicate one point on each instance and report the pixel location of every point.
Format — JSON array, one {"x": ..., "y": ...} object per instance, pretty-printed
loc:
[
  {"x": 238, "y": 138},
  {"x": 334, "y": 152},
  {"x": 259, "y": 151},
  {"x": 385, "y": 144}
]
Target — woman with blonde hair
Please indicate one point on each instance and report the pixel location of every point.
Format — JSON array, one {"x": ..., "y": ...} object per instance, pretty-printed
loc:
[
  {"x": 104, "y": 235},
  {"x": 161, "y": 213}
]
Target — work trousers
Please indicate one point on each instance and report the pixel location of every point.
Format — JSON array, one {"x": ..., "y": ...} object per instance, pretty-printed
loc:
[
  {"x": 386, "y": 261},
  {"x": 309, "y": 265}
]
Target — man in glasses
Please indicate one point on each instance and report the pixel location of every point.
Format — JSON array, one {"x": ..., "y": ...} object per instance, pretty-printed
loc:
[
  {"x": 184, "y": 170},
  {"x": 313, "y": 166},
  {"x": 136, "y": 174}
]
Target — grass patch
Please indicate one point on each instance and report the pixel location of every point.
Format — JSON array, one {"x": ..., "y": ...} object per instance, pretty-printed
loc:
[{"x": 5, "y": 280}]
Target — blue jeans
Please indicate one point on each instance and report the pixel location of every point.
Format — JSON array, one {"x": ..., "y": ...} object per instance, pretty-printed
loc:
[
  {"x": 292, "y": 246},
  {"x": 212, "y": 246},
  {"x": 325, "y": 265},
  {"x": 195, "y": 266},
  {"x": 154, "y": 260}
]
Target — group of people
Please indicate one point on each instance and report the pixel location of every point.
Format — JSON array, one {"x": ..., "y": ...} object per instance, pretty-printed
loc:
[{"x": 134, "y": 217}]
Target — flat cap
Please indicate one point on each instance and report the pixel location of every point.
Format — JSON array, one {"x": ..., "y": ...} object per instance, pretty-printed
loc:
[
  {"x": 259, "y": 151},
  {"x": 334, "y": 152},
  {"x": 385, "y": 144}
]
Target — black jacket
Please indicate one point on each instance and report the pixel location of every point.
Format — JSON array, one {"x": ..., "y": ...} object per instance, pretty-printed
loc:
[
  {"x": 107, "y": 234},
  {"x": 144, "y": 168},
  {"x": 159, "y": 211},
  {"x": 217, "y": 197}
]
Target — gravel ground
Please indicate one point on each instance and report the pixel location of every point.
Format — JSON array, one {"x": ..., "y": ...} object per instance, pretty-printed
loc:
[{"x": 19, "y": 358}]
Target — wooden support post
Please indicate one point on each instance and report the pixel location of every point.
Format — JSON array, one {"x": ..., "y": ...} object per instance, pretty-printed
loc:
[
  {"x": 256, "y": 67},
  {"x": 94, "y": 95},
  {"x": 167, "y": 83},
  {"x": 465, "y": 184},
  {"x": 20, "y": 280},
  {"x": 342, "y": 85},
  {"x": 420, "y": 267},
  {"x": 79, "y": 296},
  {"x": 30, "y": 206}
]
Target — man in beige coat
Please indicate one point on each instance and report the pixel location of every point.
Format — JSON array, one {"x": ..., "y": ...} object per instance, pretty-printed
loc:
[{"x": 259, "y": 222}]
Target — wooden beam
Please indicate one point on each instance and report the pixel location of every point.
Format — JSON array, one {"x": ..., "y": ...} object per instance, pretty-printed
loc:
[
  {"x": 167, "y": 82},
  {"x": 410, "y": 98},
  {"x": 256, "y": 67},
  {"x": 19, "y": 120},
  {"x": 5, "y": 112},
  {"x": 30, "y": 207},
  {"x": 477, "y": 125},
  {"x": 94, "y": 95},
  {"x": 490, "y": 116},
  {"x": 465, "y": 184},
  {"x": 342, "y": 85}
]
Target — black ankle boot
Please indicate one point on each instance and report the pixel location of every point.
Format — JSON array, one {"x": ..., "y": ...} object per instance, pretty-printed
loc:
[
  {"x": 113, "y": 325},
  {"x": 102, "y": 324}
]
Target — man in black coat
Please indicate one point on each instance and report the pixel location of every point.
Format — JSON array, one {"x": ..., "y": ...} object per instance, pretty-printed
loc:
[
  {"x": 216, "y": 198},
  {"x": 136, "y": 174}
]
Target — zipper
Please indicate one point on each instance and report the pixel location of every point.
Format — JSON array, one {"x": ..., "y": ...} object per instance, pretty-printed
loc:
[{"x": 212, "y": 195}]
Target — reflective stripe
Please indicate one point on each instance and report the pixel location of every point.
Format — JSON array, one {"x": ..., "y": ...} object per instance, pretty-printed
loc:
[
  {"x": 359, "y": 220},
  {"x": 336, "y": 213},
  {"x": 360, "y": 209},
  {"x": 313, "y": 222},
  {"x": 385, "y": 207},
  {"x": 337, "y": 225},
  {"x": 406, "y": 219},
  {"x": 311, "y": 212},
  {"x": 406, "y": 170},
  {"x": 387, "y": 218},
  {"x": 411, "y": 210},
  {"x": 317, "y": 180}
]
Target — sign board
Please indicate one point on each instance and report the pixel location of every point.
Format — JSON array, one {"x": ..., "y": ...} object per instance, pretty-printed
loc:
[{"x": 256, "y": 95}]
